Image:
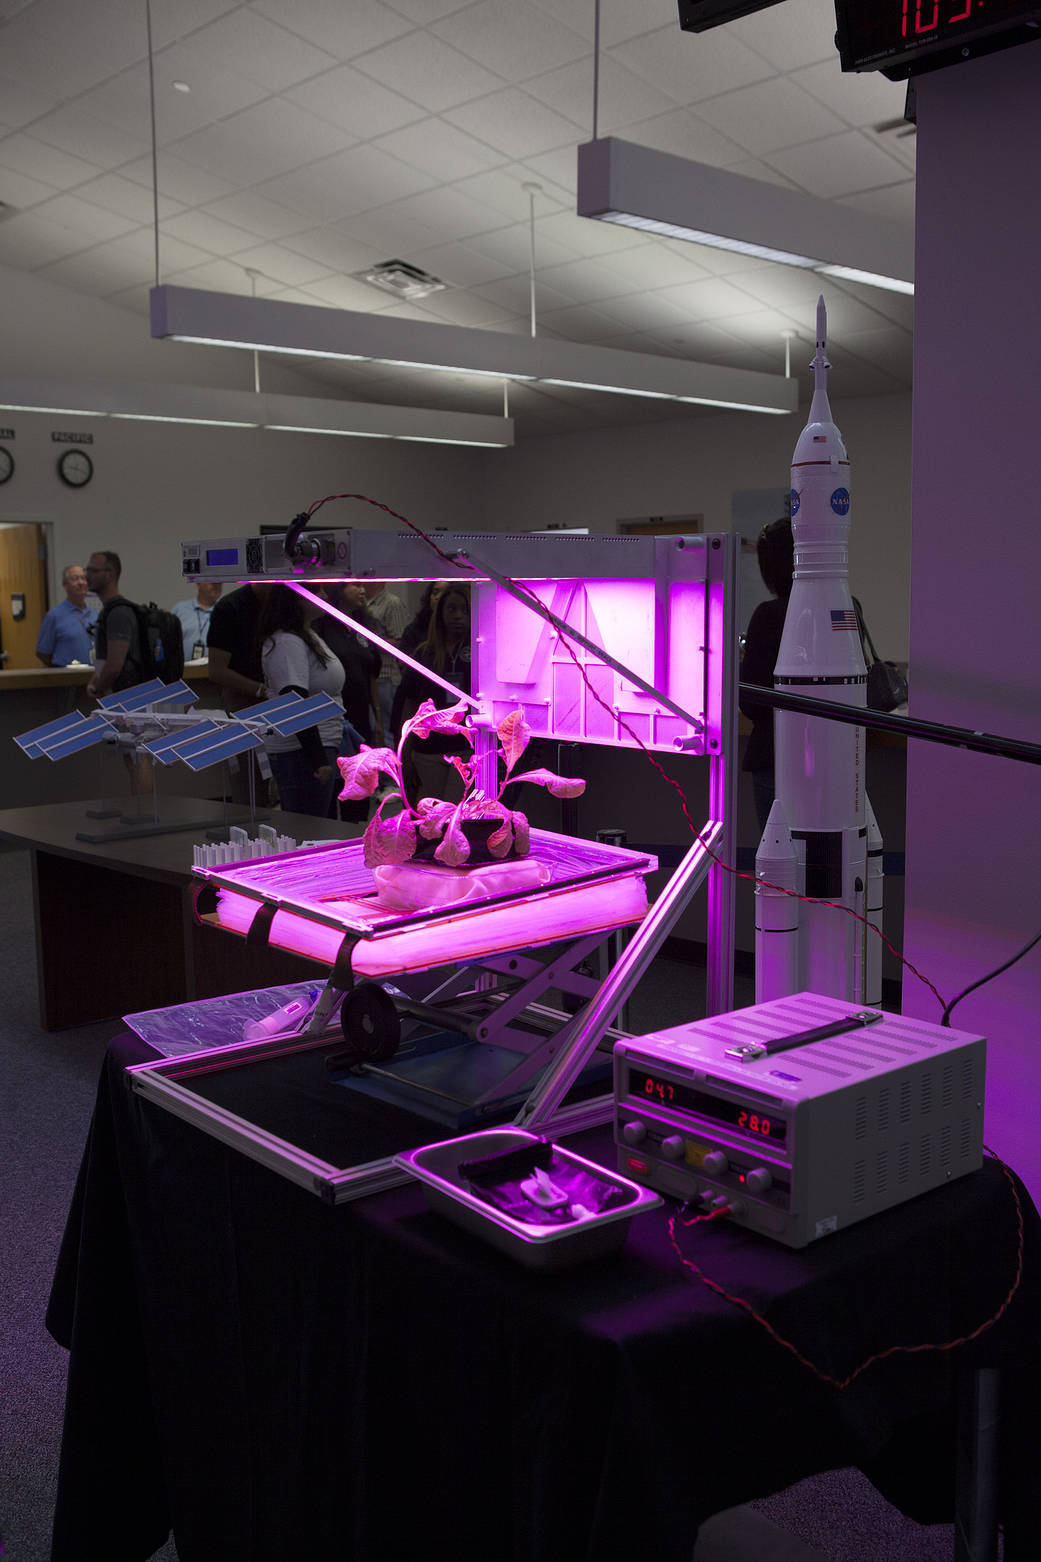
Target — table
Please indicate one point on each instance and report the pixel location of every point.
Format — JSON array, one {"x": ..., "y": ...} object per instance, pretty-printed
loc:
[
  {"x": 279, "y": 1379},
  {"x": 115, "y": 929}
]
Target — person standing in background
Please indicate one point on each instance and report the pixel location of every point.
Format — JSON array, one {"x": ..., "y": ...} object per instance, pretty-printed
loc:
[
  {"x": 776, "y": 551},
  {"x": 67, "y": 632},
  {"x": 118, "y": 650},
  {"x": 295, "y": 660},
  {"x": 233, "y": 648},
  {"x": 392, "y": 617},
  {"x": 194, "y": 618}
]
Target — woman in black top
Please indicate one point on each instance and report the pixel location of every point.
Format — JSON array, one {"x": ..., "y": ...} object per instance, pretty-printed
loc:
[{"x": 446, "y": 650}]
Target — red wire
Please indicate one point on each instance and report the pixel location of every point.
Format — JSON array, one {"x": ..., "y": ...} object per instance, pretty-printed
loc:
[
  {"x": 882, "y": 1355},
  {"x": 521, "y": 585}
]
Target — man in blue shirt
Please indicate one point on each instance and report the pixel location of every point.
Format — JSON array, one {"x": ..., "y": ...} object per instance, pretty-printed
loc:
[
  {"x": 194, "y": 618},
  {"x": 66, "y": 634}
]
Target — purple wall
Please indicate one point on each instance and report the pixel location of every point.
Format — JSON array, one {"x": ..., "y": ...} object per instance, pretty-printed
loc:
[{"x": 973, "y": 889}]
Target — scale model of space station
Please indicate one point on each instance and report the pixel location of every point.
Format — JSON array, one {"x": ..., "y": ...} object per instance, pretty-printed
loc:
[
  {"x": 152, "y": 719},
  {"x": 445, "y": 1011}
]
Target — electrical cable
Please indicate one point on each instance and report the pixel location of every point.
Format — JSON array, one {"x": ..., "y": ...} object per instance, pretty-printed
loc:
[
  {"x": 292, "y": 537},
  {"x": 876, "y": 1356}
]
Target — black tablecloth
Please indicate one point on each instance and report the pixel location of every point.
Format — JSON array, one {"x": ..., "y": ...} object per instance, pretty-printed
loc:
[{"x": 277, "y": 1379}]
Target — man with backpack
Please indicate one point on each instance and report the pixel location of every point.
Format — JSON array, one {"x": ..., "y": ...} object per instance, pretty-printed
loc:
[{"x": 119, "y": 662}]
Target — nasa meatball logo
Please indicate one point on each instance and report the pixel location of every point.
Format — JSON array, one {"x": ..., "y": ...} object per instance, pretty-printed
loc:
[
  {"x": 840, "y": 501},
  {"x": 795, "y": 502}
]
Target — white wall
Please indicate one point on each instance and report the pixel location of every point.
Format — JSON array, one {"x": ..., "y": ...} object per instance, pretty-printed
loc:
[
  {"x": 694, "y": 465},
  {"x": 974, "y": 823}
]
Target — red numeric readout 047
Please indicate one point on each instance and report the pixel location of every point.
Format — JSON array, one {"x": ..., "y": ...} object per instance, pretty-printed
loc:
[{"x": 923, "y": 16}]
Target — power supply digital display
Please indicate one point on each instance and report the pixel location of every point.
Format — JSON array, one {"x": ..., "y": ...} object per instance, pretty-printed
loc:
[
  {"x": 656, "y": 1089},
  {"x": 222, "y": 556}
]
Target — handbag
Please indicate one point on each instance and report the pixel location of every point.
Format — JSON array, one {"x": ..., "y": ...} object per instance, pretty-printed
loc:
[{"x": 886, "y": 684}]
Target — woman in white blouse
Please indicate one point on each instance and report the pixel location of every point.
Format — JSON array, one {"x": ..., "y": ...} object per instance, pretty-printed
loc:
[{"x": 295, "y": 659}]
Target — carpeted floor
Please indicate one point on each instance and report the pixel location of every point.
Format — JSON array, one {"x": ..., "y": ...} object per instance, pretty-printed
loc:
[{"x": 48, "y": 1084}]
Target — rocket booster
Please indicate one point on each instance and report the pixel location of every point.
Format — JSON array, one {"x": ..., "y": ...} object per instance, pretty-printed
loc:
[{"x": 817, "y": 836}]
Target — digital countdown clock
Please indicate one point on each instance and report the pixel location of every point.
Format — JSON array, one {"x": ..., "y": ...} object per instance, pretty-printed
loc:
[{"x": 903, "y": 38}]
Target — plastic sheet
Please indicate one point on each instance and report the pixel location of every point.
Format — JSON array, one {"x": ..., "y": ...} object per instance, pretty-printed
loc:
[
  {"x": 214, "y": 1022},
  {"x": 414, "y": 887}
]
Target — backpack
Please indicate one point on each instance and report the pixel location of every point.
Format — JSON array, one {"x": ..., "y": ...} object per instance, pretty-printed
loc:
[{"x": 161, "y": 640}]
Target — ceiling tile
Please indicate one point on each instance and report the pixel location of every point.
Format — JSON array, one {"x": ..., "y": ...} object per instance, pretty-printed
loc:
[
  {"x": 515, "y": 123},
  {"x": 72, "y": 130},
  {"x": 860, "y": 98},
  {"x": 29, "y": 242},
  {"x": 838, "y": 165},
  {"x": 208, "y": 232},
  {"x": 394, "y": 234},
  {"x": 172, "y": 22},
  {"x": 423, "y": 12},
  {"x": 624, "y": 97},
  {"x": 355, "y": 102},
  {"x": 511, "y": 37},
  {"x": 279, "y": 264},
  {"x": 336, "y": 250},
  {"x": 215, "y": 276},
  {"x": 124, "y": 99},
  {"x": 23, "y": 154},
  {"x": 45, "y": 46},
  {"x": 18, "y": 190},
  {"x": 92, "y": 224},
  {"x": 512, "y": 247},
  {"x": 248, "y": 43},
  {"x": 755, "y": 168},
  {"x": 266, "y": 219},
  {"x": 503, "y": 189},
  {"x": 448, "y": 214},
  {"x": 459, "y": 265},
  {"x": 100, "y": 272},
  {"x": 684, "y": 133},
  {"x": 692, "y": 67},
  {"x": 263, "y": 141},
  {"x": 585, "y": 281},
  {"x": 620, "y": 20},
  {"x": 513, "y": 294},
  {"x": 645, "y": 312},
  {"x": 586, "y": 236},
  {"x": 22, "y": 101},
  {"x": 343, "y": 29},
  {"x": 179, "y": 181},
  {"x": 350, "y": 181},
  {"x": 347, "y": 293},
  {"x": 130, "y": 200},
  {"x": 441, "y": 149},
  {"x": 797, "y": 33},
  {"x": 428, "y": 71},
  {"x": 467, "y": 309},
  {"x": 653, "y": 265},
  {"x": 889, "y": 350},
  {"x": 709, "y": 300},
  {"x": 770, "y": 115}
]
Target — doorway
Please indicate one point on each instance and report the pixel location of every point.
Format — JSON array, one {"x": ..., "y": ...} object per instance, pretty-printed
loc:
[{"x": 23, "y": 591}]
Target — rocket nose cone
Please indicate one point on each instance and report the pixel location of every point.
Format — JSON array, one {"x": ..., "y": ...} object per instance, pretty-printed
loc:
[{"x": 777, "y": 837}]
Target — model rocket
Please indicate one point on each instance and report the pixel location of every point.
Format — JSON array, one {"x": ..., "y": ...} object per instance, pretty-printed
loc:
[{"x": 821, "y": 839}]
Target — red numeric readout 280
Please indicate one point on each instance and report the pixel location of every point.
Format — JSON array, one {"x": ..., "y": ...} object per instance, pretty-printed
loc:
[
  {"x": 923, "y": 16},
  {"x": 753, "y": 1123}
]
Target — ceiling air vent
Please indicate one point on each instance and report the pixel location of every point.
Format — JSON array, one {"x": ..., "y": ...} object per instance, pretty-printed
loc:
[{"x": 401, "y": 279}]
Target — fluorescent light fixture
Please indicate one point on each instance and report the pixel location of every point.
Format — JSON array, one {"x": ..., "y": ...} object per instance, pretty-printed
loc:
[
  {"x": 275, "y": 325},
  {"x": 209, "y": 406},
  {"x": 657, "y": 192}
]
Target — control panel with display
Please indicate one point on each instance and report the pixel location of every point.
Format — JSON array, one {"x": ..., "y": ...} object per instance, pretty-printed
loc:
[
  {"x": 903, "y": 38},
  {"x": 792, "y": 1136}
]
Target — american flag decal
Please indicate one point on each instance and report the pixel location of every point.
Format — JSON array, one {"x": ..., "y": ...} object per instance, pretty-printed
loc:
[{"x": 843, "y": 618}]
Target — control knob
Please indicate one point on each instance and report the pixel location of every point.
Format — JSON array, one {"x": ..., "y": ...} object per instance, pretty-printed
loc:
[
  {"x": 634, "y": 1132},
  {"x": 758, "y": 1180},
  {"x": 673, "y": 1147},
  {"x": 715, "y": 1163}
]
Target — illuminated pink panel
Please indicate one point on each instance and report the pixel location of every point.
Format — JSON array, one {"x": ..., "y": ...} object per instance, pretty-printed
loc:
[{"x": 495, "y": 930}]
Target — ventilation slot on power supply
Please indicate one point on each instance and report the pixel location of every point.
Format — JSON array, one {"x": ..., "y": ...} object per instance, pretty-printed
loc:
[
  {"x": 925, "y": 1099},
  {"x": 947, "y": 1086},
  {"x": 882, "y": 1110},
  {"x": 882, "y": 1172},
  {"x": 859, "y": 1181},
  {"x": 905, "y": 1100},
  {"x": 965, "y": 1144},
  {"x": 925, "y": 1155},
  {"x": 968, "y": 1077},
  {"x": 860, "y": 1118},
  {"x": 903, "y": 1161}
]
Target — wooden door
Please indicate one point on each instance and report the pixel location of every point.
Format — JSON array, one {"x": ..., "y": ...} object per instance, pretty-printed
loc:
[{"x": 23, "y": 573}]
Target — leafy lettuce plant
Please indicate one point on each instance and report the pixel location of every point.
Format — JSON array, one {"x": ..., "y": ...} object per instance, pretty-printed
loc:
[{"x": 394, "y": 839}]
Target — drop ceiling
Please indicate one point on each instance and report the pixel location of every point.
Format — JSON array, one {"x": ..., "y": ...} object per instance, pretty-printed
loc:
[{"x": 320, "y": 137}]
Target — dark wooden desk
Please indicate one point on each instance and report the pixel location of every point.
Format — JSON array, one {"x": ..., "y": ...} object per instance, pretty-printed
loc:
[{"x": 115, "y": 930}]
